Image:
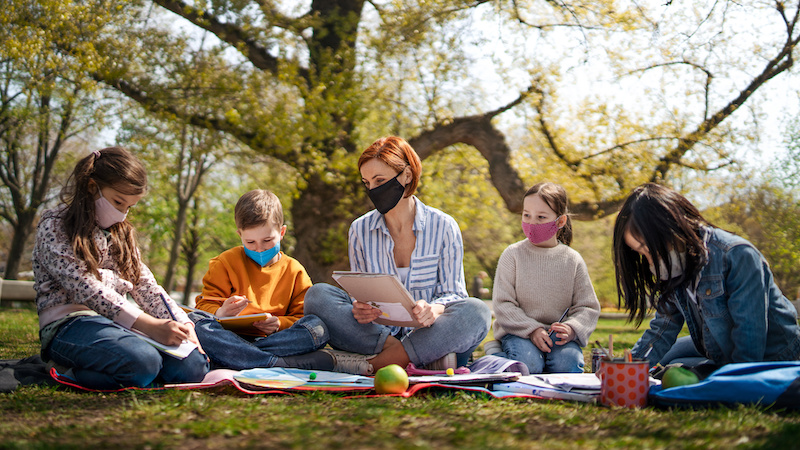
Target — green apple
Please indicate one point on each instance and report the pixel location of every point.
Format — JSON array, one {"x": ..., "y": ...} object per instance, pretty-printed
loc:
[
  {"x": 678, "y": 376},
  {"x": 391, "y": 379}
]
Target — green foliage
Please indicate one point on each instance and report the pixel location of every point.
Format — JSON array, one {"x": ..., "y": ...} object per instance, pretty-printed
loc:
[
  {"x": 769, "y": 217},
  {"x": 457, "y": 182}
]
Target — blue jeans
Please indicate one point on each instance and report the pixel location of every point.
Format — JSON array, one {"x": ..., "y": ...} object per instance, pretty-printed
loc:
[
  {"x": 227, "y": 349},
  {"x": 104, "y": 356},
  {"x": 460, "y": 329},
  {"x": 683, "y": 351},
  {"x": 567, "y": 358}
]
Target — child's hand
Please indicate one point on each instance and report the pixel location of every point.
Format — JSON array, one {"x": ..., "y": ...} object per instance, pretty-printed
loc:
[
  {"x": 232, "y": 306},
  {"x": 563, "y": 333},
  {"x": 425, "y": 313},
  {"x": 193, "y": 337},
  {"x": 269, "y": 325},
  {"x": 364, "y": 312},
  {"x": 541, "y": 340},
  {"x": 165, "y": 331}
]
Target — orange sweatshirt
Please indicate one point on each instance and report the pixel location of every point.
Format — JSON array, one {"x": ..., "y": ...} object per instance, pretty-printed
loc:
[{"x": 278, "y": 289}]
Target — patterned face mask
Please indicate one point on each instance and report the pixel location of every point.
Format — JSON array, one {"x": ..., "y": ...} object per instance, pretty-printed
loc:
[
  {"x": 105, "y": 213},
  {"x": 540, "y": 232}
]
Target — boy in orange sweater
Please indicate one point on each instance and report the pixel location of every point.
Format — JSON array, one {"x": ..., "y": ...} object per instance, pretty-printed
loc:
[{"x": 254, "y": 278}]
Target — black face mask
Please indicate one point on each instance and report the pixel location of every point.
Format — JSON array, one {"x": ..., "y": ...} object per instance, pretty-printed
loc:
[{"x": 386, "y": 196}]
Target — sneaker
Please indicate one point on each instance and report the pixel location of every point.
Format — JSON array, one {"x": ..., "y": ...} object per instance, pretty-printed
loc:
[
  {"x": 447, "y": 361},
  {"x": 346, "y": 362},
  {"x": 492, "y": 347}
]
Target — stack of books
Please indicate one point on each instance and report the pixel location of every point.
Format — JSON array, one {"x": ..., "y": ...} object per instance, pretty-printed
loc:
[{"x": 580, "y": 387}]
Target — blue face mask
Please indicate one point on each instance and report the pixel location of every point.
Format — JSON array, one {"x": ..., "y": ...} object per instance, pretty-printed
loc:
[{"x": 263, "y": 258}]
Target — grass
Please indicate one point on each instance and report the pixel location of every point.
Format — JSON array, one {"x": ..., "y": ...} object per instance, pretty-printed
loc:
[{"x": 44, "y": 417}]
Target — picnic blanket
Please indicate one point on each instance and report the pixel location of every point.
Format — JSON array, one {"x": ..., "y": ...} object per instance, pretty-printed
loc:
[
  {"x": 285, "y": 381},
  {"x": 484, "y": 377}
]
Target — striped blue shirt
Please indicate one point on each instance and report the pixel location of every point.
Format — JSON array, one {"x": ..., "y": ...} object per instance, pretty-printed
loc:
[{"x": 437, "y": 263}]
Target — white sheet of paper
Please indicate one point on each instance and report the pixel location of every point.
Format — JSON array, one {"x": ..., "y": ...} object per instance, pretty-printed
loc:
[{"x": 393, "y": 311}]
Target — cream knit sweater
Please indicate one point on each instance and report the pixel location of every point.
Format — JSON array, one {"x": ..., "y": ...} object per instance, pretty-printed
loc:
[{"x": 534, "y": 285}]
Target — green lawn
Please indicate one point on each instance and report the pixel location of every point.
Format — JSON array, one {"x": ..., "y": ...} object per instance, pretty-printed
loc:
[{"x": 40, "y": 417}]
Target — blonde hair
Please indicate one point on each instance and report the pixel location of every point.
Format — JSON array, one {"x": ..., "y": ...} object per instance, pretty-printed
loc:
[{"x": 256, "y": 208}]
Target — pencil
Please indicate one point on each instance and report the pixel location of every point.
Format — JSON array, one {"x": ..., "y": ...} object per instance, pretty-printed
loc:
[
  {"x": 610, "y": 345},
  {"x": 600, "y": 346},
  {"x": 211, "y": 297},
  {"x": 166, "y": 305}
]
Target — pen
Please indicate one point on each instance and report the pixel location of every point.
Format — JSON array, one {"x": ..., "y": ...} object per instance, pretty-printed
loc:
[
  {"x": 553, "y": 333},
  {"x": 166, "y": 305},
  {"x": 211, "y": 297}
]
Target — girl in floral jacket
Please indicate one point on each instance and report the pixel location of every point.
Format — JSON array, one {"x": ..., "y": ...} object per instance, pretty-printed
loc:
[{"x": 86, "y": 262}]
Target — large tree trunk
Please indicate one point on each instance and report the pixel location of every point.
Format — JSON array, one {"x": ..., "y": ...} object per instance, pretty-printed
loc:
[
  {"x": 322, "y": 215},
  {"x": 22, "y": 231}
]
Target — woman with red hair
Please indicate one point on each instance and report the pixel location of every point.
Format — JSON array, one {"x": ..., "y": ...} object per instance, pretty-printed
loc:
[{"x": 422, "y": 247}]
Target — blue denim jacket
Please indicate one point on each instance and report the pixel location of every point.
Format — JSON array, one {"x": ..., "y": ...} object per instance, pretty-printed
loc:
[{"x": 743, "y": 316}]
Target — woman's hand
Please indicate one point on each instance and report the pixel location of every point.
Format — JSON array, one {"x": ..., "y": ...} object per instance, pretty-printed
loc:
[
  {"x": 365, "y": 313},
  {"x": 232, "y": 306},
  {"x": 269, "y": 325},
  {"x": 165, "y": 331},
  {"x": 564, "y": 333},
  {"x": 425, "y": 313}
]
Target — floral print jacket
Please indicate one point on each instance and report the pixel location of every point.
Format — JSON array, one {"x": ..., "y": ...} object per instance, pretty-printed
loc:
[{"x": 64, "y": 285}]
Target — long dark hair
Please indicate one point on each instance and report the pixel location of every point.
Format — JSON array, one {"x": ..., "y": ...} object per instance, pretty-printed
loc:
[
  {"x": 555, "y": 196},
  {"x": 113, "y": 167},
  {"x": 663, "y": 220}
]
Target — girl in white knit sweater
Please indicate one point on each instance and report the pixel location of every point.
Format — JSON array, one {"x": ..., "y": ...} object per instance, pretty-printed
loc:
[{"x": 544, "y": 303}]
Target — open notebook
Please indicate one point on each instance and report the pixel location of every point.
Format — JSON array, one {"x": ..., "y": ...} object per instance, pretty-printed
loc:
[{"x": 238, "y": 324}]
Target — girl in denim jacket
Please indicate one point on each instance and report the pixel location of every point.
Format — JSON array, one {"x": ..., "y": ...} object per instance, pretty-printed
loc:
[{"x": 667, "y": 256}]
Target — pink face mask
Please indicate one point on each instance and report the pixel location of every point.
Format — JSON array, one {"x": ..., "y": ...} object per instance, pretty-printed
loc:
[
  {"x": 105, "y": 213},
  {"x": 540, "y": 232}
]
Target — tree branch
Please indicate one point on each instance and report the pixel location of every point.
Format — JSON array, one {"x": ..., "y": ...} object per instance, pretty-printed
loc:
[
  {"x": 231, "y": 34},
  {"x": 780, "y": 63}
]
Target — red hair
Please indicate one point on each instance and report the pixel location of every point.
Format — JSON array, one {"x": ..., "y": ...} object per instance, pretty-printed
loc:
[{"x": 397, "y": 154}]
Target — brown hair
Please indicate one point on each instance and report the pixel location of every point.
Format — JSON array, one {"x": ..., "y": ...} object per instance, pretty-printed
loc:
[
  {"x": 556, "y": 198},
  {"x": 256, "y": 208},
  {"x": 113, "y": 167},
  {"x": 398, "y": 154}
]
